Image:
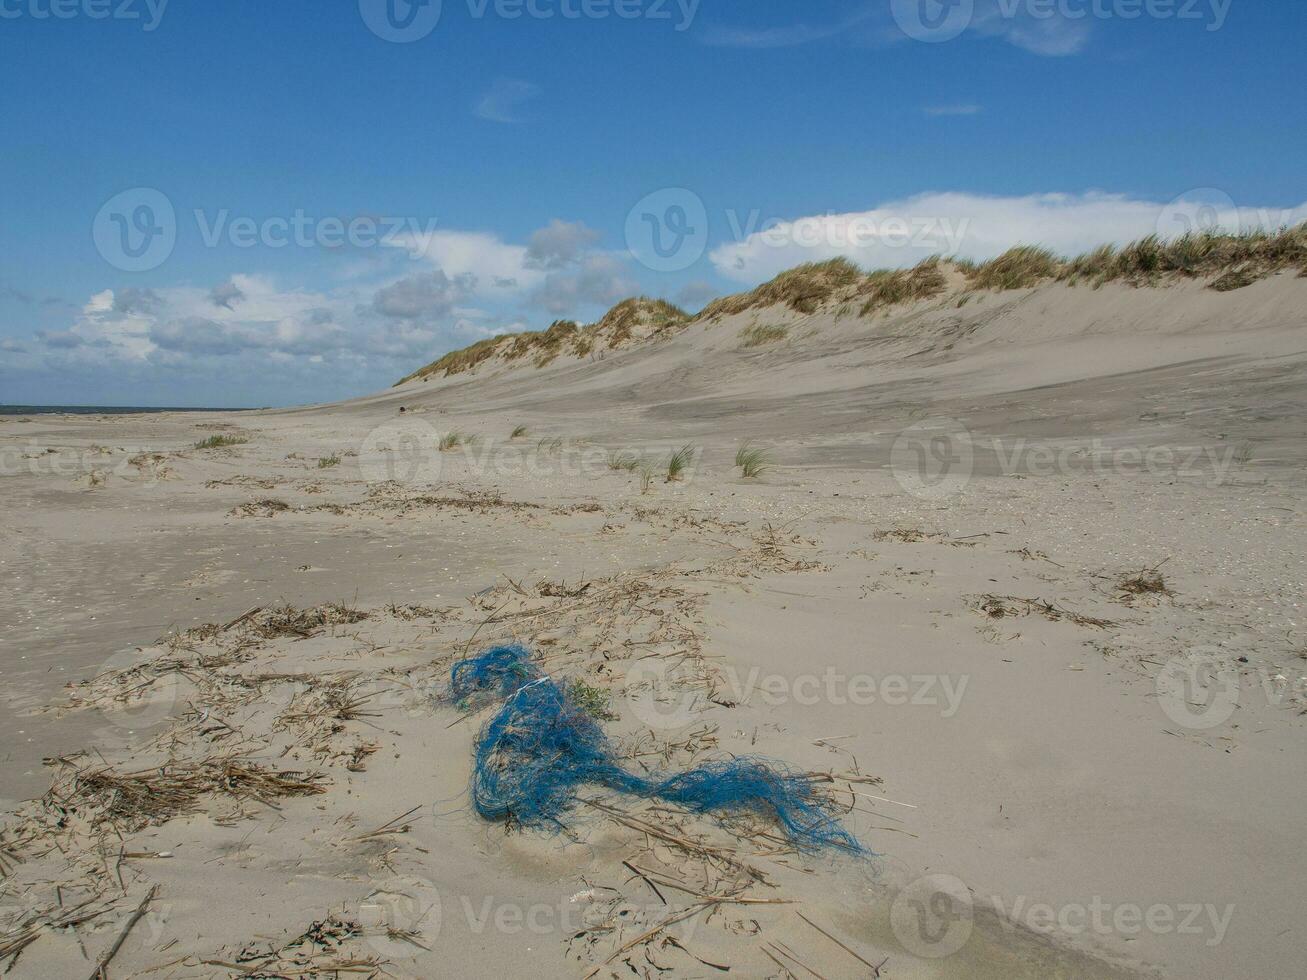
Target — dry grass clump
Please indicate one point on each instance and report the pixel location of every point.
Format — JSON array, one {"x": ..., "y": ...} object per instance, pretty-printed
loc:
[
  {"x": 327, "y": 462},
  {"x": 132, "y": 801},
  {"x": 519, "y": 432},
  {"x": 325, "y": 949},
  {"x": 303, "y": 623},
  {"x": 751, "y": 461},
  {"x": 889, "y": 287},
  {"x": 759, "y": 335},
  {"x": 268, "y": 507},
  {"x": 460, "y": 361},
  {"x": 546, "y": 344},
  {"x": 221, "y": 442},
  {"x": 621, "y": 322},
  {"x": 1236, "y": 279},
  {"x": 802, "y": 289},
  {"x": 619, "y": 325},
  {"x": 679, "y": 462},
  {"x": 1234, "y": 261},
  {"x": 1149, "y": 582},
  {"x": 1017, "y": 268},
  {"x": 1006, "y": 607},
  {"x": 906, "y": 535}
]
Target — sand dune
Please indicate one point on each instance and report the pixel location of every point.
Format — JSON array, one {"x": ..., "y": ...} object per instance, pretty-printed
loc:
[{"x": 1022, "y": 583}]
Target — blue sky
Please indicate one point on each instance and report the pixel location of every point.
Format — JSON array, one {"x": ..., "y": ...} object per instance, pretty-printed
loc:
[{"x": 500, "y": 171}]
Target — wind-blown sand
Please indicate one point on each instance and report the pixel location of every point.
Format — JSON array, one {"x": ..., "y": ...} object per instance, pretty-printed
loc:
[{"x": 966, "y": 666}]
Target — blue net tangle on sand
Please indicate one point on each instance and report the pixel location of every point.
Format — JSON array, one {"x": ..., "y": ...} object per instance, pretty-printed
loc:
[{"x": 540, "y": 746}]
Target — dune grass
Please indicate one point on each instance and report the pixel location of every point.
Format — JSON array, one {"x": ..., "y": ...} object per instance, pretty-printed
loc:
[
  {"x": 1231, "y": 261},
  {"x": 761, "y": 334},
  {"x": 889, "y": 287},
  {"x": 1228, "y": 261},
  {"x": 519, "y": 432},
  {"x": 1017, "y": 268},
  {"x": 453, "y": 440},
  {"x": 221, "y": 442},
  {"x": 327, "y": 462},
  {"x": 624, "y": 462},
  {"x": 620, "y": 323},
  {"x": 679, "y": 462},
  {"x": 803, "y": 289},
  {"x": 751, "y": 461}
]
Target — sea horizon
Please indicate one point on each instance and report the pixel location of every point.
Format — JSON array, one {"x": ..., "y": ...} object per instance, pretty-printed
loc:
[{"x": 107, "y": 409}]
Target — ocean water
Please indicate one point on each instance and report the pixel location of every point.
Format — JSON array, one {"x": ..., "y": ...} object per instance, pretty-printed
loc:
[{"x": 101, "y": 410}]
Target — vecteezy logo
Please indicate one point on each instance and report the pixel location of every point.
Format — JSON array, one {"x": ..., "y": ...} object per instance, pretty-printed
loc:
[
  {"x": 406, "y": 451},
  {"x": 401, "y": 21},
  {"x": 136, "y": 230},
  {"x": 401, "y": 918},
  {"x": 657, "y": 696},
  {"x": 933, "y": 459},
  {"x": 135, "y": 702},
  {"x": 933, "y": 21},
  {"x": 1204, "y": 209},
  {"x": 933, "y": 917},
  {"x": 667, "y": 231},
  {"x": 1198, "y": 689}
]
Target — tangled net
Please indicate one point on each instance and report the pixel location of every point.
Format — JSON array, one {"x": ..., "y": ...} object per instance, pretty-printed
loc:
[{"x": 540, "y": 746}]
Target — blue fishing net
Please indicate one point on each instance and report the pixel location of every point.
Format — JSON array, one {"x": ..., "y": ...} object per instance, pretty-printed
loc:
[{"x": 541, "y": 746}]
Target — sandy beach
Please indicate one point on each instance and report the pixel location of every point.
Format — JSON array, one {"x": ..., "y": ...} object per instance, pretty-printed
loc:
[{"x": 1056, "y": 691}]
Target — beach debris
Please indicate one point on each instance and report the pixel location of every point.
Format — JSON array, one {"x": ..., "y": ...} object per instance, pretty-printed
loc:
[
  {"x": 132, "y": 801},
  {"x": 1005, "y": 607},
  {"x": 268, "y": 507},
  {"x": 541, "y": 746},
  {"x": 1148, "y": 582}
]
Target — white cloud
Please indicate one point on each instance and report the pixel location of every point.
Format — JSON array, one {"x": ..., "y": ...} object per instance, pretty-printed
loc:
[
  {"x": 495, "y": 266},
  {"x": 1046, "y": 32},
  {"x": 786, "y": 35},
  {"x": 559, "y": 243},
  {"x": 453, "y": 288},
  {"x": 504, "y": 99},
  {"x": 421, "y": 297},
  {"x": 1052, "y": 36},
  {"x": 900, "y": 233},
  {"x": 226, "y": 295},
  {"x": 697, "y": 294},
  {"x": 961, "y": 109},
  {"x": 597, "y": 280}
]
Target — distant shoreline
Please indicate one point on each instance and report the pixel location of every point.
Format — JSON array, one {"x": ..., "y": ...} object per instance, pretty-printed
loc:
[{"x": 103, "y": 410}]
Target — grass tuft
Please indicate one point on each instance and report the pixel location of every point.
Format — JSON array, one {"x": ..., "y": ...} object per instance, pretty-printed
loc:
[
  {"x": 886, "y": 287},
  {"x": 803, "y": 289},
  {"x": 759, "y": 335},
  {"x": 752, "y": 462},
  {"x": 220, "y": 442},
  {"x": 519, "y": 432},
  {"x": 1017, "y": 268},
  {"x": 624, "y": 462},
  {"x": 594, "y": 701},
  {"x": 1150, "y": 581},
  {"x": 327, "y": 462},
  {"x": 452, "y": 440},
  {"x": 679, "y": 462}
]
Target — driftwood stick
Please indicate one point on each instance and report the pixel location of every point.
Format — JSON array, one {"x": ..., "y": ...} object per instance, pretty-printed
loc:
[{"x": 101, "y": 971}]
